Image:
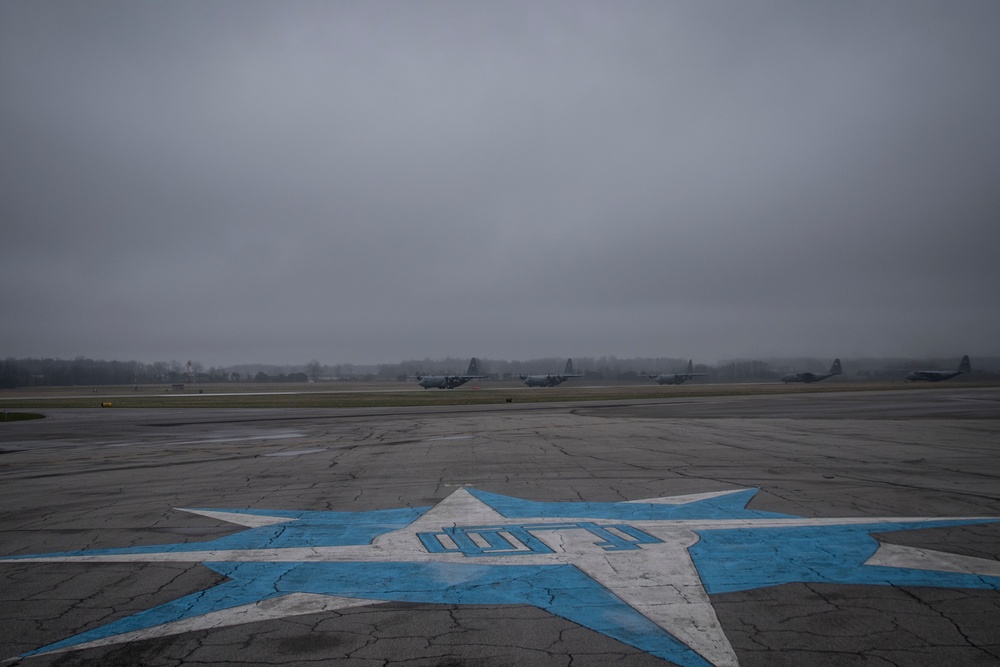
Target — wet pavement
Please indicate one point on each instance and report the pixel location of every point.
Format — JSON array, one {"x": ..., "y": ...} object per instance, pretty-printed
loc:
[{"x": 778, "y": 530}]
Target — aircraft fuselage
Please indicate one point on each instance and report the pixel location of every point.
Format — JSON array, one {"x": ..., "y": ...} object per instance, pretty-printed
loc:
[
  {"x": 442, "y": 381},
  {"x": 676, "y": 378},
  {"x": 673, "y": 378},
  {"x": 812, "y": 377},
  {"x": 805, "y": 377},
  {"x": 931, "y": 376},
  {"x": 937, "y": 376},
  {"x": 450, "y": 381},
  {"x": 543, "y": 380}
]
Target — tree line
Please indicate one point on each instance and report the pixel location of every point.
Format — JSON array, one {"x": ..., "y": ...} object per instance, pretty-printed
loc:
[{"x": 16, "y": 373}]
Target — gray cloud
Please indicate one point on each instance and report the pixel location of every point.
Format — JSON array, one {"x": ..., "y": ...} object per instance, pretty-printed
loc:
[{"x": 362, "y": 182}]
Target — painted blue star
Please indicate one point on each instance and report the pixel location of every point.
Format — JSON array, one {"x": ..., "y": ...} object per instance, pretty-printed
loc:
[{"x": 640, "y": 572}]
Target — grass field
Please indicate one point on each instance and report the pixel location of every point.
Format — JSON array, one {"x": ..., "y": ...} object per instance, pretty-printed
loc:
[{"x": 394, "y": 394}]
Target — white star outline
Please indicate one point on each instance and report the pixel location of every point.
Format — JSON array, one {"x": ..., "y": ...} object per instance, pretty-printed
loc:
[{"x": 659, "y": 580}]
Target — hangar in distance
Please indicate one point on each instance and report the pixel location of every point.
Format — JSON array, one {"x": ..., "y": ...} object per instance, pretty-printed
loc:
[{"x": 812, "y": 377}]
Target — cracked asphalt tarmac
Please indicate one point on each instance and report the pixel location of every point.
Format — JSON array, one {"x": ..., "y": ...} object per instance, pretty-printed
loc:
[{"x": 92, "y": 479}]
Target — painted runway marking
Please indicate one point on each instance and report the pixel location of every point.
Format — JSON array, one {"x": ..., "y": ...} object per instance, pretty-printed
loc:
[
  {"x": 641, "y": 572},
  {"x": 298, "y": 452},
  {"x": 277, "y": 435}
]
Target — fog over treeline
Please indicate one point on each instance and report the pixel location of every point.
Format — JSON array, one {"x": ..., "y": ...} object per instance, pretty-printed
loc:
[
  {"x": 353, "y": 182},
  {"x": 15, "y": 373}
]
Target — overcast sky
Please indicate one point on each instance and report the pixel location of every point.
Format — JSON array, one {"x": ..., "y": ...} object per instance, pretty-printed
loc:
[{"x": 363, "y": 182}]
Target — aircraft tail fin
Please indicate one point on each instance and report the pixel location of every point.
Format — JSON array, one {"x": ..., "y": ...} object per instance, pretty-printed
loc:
[
  {"x": 473, "y": 367},
  {"x": 835, "y": 369},
  {"x": 965, "y": 366},
  {"x": 569, "y": 367}
]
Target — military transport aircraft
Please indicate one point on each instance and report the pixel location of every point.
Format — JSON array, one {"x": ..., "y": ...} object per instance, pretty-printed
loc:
[
  {"x": 450, "y": 381},
  {"x": 937, "y": 376},
  {"x": 677, "y": 378},
  {"x": 812, "y": 377},
  {"x": 551, "y": 380}
]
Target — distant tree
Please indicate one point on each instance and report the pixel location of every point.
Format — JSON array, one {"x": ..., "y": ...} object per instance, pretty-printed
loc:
[
  {"x": 313, "y": 369},
  {"x": 13, "y": 374}
]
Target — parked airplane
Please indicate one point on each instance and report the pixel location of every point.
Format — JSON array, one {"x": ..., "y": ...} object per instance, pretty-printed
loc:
[
  {"x": 677, "y": 378},
  {"x": 937, "y": 376},
  {"x": 551, "y": 380},
  {"x": 812, "y": 377},
  {"x": 450, "y": 381}
]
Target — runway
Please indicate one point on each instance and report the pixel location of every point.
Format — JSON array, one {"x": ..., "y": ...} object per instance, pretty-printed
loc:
[{"x": 779, "y": 530}]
